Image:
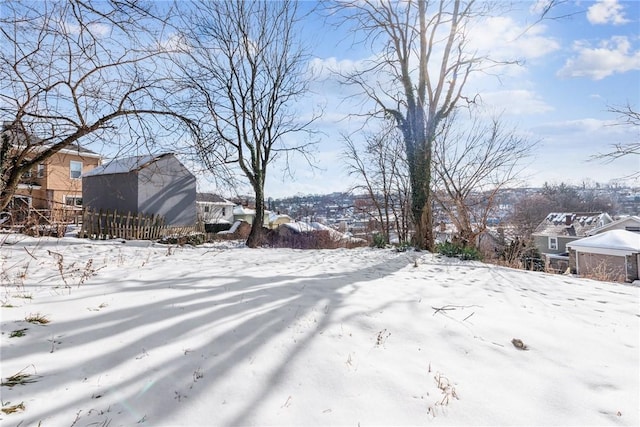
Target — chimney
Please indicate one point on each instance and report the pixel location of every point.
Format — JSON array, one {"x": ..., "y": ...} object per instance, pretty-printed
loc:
[{"x": 568, "y": 219}]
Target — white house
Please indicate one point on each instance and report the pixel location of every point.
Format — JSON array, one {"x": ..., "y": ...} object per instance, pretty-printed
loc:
[{"x": 213, "y": 209}]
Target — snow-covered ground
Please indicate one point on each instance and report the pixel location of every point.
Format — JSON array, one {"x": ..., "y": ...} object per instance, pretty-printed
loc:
[{"x": 145, "y": 334}]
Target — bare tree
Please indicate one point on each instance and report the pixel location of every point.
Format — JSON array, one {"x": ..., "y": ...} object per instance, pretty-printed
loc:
[
  {"x": 627, "y": 116},
  {"x": 529, "y": 212},
  {"x": 471, "y": 165},
  {"x": 381, "y": 168},
  {"x": 246, "y": 70},
  {"x": 422, "y": 62},
  {"x": 417, "y": 77},
  {"x": 77, "y": 71}
]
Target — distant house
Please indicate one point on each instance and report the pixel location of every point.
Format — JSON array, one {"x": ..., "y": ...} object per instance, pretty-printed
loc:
[
  {"x": 214, "y": 211},
  {"x": 559, "y": 228},
  {"x": 612, "y": 256},
  {"x": 152, "y": 185},
  {"x": 275, "y": 219}
]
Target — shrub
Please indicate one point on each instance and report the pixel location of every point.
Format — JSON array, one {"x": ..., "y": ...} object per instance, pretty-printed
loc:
[
  {"x": 193, "y": 239},
  {"x": 305, "y": 240},
  {"x": 379, "y": 241},
  {"x": 456, "y": 250}
]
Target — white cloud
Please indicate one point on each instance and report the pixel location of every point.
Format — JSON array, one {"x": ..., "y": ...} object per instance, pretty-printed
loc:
[
  {"x": 328, "y": 67},
  {"x": 96, "y": 29},
  {"x": 611, "y": 56},
  {"x": 567, "y": 150},
  {"x": 173, "y": 43},
  {"x": 516, "y": 102},
  {"x": 505, "y": 39},
  {"x": 606, "y": 12}
]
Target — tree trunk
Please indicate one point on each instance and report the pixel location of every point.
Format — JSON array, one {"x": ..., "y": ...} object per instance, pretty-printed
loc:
[
  {"x": 419, "y": 157},
  {"x": 256, "y": 234}
]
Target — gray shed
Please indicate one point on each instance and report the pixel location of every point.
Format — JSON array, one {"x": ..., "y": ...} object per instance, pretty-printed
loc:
[{"x": 153, "y": 184}]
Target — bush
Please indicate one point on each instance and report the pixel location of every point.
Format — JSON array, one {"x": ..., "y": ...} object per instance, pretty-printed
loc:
[
  {"x": 320, "y": 239},
  {"x": 379, "y": 241},
  {"x": 456, "y": 250},
  {"x": 194, "y": 239}
]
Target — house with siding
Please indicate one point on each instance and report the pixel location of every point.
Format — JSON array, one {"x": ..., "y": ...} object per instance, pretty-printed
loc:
[
  {"x": 150, "y": 185},
  {"x": 560, "y": 228},
  {"x": 214, "y": 211},
  {"x": 628, "y": 223},
  {"x": 55, "y": 184}
]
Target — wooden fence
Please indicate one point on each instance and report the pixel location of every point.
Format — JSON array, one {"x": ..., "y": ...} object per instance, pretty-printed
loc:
[{"x": 130, "y": 226}]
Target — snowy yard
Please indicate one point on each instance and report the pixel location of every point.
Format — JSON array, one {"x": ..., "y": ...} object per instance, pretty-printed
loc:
[{"x": 145, "y": 334}]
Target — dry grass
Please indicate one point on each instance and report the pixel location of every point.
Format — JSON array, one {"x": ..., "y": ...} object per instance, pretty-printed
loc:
[
  {"x": 604, "y": 272},
  {"x": 10, "y": 409},
  {"x": 19, "y": 378},
  {"x": 37, "y": 318},
  {"x": 448, "y": 392}
]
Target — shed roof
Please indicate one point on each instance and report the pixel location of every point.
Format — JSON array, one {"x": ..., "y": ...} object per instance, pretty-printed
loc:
[
  {"x": 126, "y": 165},
  {"x": 614, "y": 240}
]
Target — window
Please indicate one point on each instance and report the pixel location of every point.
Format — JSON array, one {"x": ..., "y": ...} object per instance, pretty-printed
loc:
[
  {"x": 41, "y": 170},
  {"x": 224, "y": 211},
  {"x": 206, "y": 208},
  {"x": 75, "y": 201},
  {"x": 76, "y": 169},
  {"x": 553, "y": 243}
]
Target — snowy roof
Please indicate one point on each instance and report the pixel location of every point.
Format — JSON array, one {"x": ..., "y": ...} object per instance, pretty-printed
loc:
[
  {"x": 273, "y": 216},
  {"x": 304, "y": 227},
  {"x": 574, "y": 224},
  {"x": 126, "y": 165},
  {"x": 615, "y": 242},
  {"x": 241, "y": 210},
  {"x": 300, "y": 227},
  {"x": 212, "y": 198}
]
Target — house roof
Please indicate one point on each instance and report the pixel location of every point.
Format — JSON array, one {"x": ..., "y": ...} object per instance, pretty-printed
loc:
[
  {"x": 616, "y": 242},
  {"x": 39, "y": 145},
  {"x": 79, "y": 150},
  {"x": 273, "y": 216},
  {"x": 211, "y": 198},
  {"x": 571, "y": 224},
  {"x": 126, "y": 165},
  {"x": 629, "y": 221}
]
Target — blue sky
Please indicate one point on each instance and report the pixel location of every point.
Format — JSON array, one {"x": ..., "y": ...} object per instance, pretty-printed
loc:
[{"x": 574, "y": 69}]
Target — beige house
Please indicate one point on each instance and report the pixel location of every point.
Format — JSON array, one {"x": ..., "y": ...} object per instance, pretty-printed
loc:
[{"x": 56, "y": 184}]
